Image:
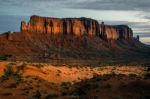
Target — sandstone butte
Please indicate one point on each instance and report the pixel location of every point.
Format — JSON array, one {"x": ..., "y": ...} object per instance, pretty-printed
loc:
[
  {"x": 71, "y": 26},
  {"x": 46, "y": 35},
  {"x": 76, "y": 26}
]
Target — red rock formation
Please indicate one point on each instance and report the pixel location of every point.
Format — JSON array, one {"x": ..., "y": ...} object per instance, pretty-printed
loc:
[
  {"x": 47, "y": 37},
  {"x": 115, "y": 32},
  {"x": 6, "y": 36},
  {"x": 75, "y": 26}
]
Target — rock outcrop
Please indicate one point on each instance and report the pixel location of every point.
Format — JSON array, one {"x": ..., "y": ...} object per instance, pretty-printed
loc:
[
  {"x": 6, "y": 36},
  {"x": 75, "y": 26},
  {"x": 43, "y": 39},
  {"x": 115, "y": 32}
]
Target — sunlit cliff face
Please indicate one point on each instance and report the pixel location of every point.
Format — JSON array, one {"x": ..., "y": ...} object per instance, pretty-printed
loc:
[{"x": 76, "y": 26}]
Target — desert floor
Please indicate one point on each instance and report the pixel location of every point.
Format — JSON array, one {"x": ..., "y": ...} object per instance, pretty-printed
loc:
[{"x": 21, "y": 80}]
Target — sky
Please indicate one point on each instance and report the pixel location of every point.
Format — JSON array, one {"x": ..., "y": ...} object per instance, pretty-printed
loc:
[{"x": 134, "y": 13}]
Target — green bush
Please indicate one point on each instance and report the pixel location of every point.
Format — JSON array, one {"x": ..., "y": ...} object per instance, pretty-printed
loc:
[{"x": 13, "y": 85}]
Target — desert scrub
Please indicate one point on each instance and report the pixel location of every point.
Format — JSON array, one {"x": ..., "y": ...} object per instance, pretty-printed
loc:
[
  {"x": 148, "y": 69},
  {"x": 13, "y": 85},
  {"x": 25, "y": 92},
  {"x": 108, "y": 85},
  {"x": 9, "y": 72},
  {"x": 3, "y": 58},
  {"x": 38, "y": 65},
  {"x": 7, "y": 94},
  {"x": 106, "y": 77},
  {"x": 58, "y": 71},
  {"x": 66, "y": 84},
  {"x": 97, "y": 78},
  {"x": 37, "y": 94},
  {"x": 147, "y": 75},
  {"x": 35, "y": 78},
  {"x": 21, "y": 68},
  {"x": 28, "y": 76},
  {"x": 67, "y": 92},
  {"x": 51, "y": 96},
  {"x": 133, "y": 75},
  {"x": 57, "y": 74},
  {"x": 118, "y": 97}
]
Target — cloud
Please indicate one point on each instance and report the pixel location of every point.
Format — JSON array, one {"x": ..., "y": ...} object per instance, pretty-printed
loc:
[
  {"x": 29, "y": 7},
  {"x": 117, "y": 5},
  {"x": 142, "y": 5}
]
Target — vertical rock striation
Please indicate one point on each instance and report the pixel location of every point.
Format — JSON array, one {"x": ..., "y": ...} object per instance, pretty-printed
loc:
[
  {"x": 73, "y": 26},
  {"x": 118, "y": 32},
  {"x": 77, "y": 27}
]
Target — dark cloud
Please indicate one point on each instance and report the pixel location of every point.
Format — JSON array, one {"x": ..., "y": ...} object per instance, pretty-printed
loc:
[
  {"x": 142, "y": 5},
  {"x": 125, "y": 5}
]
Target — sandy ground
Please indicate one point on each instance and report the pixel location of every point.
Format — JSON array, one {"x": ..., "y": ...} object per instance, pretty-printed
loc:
[
  {"x": 72, "y": 82},
  {"x": 59, "y": 74}
]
